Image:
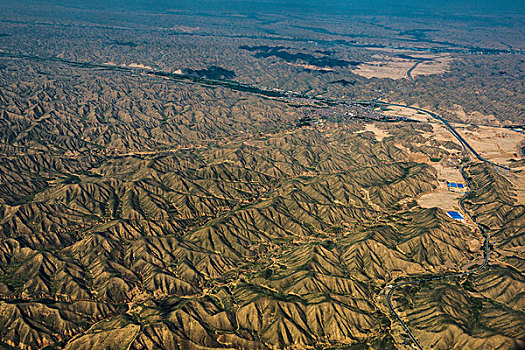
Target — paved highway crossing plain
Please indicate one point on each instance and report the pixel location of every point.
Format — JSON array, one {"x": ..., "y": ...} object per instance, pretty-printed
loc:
[
  {"x": 402, "y": 64},
  {"x": 500, "y": 145}
]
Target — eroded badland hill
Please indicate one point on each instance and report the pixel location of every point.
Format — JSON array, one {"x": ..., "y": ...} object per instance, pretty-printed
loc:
[{"x": 259, "y": 201}]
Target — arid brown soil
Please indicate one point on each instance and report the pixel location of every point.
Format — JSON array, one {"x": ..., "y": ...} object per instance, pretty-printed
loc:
[{"x": 174, "y": 179}]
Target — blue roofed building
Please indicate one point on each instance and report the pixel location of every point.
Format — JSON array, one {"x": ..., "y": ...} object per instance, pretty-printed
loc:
[
  {"x": 456, "y": 187},
  {"x": 455, "y": 215}
]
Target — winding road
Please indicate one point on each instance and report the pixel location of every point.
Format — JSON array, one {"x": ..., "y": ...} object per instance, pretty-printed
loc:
[
  {"x": 409, "y": 72},
  {"x": 276, "y": 93},
  {"x": 461, "y": 202},
  {"x": 450, "y": 128}
]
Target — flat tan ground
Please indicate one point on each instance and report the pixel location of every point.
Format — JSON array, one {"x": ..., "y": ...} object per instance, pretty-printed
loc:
[
  {"x": 311, "y": 67},
  {"x": 450, "y": 174},
  {"x": 395, "y": 68},
  {"x": 379, "y": 133},
  {"x": 407, "y": 112},
  {"x": 438, "y": 66},
  {"x": 387, "y": 66},
  {"x": 496, "y": 144},
  {"x": 441, "y": 198},
  {"x": 138, "y": 65}
]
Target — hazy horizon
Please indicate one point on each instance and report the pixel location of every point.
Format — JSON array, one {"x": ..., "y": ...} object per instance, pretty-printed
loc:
[{"x": 398, "y": 8}]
